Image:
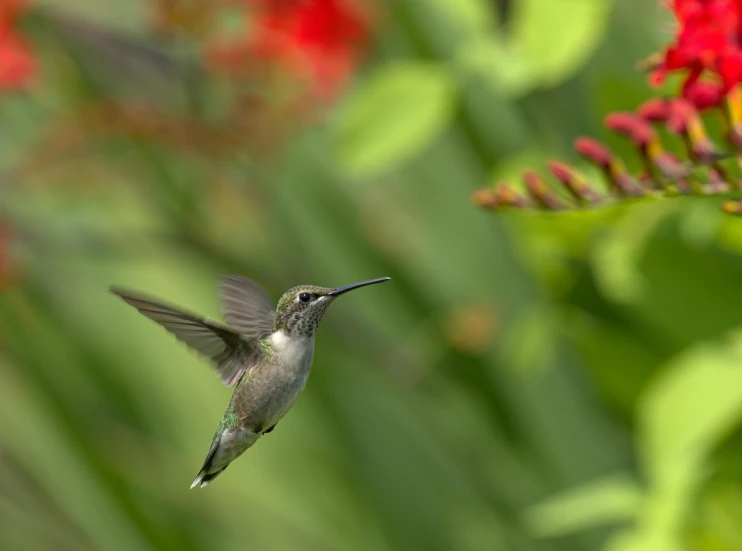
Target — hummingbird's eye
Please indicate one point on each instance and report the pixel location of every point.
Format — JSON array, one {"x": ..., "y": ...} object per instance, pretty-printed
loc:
[{"x": 304, "y": 297}]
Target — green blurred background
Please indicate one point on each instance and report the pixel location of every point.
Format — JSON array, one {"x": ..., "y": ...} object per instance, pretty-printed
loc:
[{"x": 525, "y": 382}]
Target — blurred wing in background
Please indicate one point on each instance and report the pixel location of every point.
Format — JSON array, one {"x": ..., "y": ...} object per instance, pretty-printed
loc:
[
  {"x": 226, "y": 349},
  {"x": 246, "y": 307}
]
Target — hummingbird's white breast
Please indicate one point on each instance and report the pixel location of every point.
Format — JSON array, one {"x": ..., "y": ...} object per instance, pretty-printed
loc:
[
  {"x": 294, "y": 352},
  {"x": 288, "y": 373}
]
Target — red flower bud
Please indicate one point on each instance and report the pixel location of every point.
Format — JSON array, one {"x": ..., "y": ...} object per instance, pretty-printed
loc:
[
  {"x": 703, "y": 94},
  {"x": 540, "y": 192},
  {"x": 654, "y": 110},
  {"x": 577, "y": 187},
  {"x": 632, "y": 126},
  {"x": 593, "y": 150}
]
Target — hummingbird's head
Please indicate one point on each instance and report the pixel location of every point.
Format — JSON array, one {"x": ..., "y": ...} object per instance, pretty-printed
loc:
[{"x": 301, "y": 308}]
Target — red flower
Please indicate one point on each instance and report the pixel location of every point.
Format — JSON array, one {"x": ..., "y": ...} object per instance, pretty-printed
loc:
[
  {"x": 17, "y": 64},
  {"x": 708, "y": 46},
  {"x": 319, "y": 41}
]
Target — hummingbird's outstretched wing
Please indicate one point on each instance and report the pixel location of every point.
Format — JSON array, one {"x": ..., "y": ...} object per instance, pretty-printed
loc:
[
  {"x": 229, "y": 352},
  {"x": 246, "y": 307}
]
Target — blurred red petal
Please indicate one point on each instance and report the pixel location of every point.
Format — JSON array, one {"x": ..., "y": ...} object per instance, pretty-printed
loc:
[
  {"x": 317, "y": 40},
  {"x": 730, "y": 69},
  {"x": 707, "y": 42},
  {"x": 17, "y": 64}
]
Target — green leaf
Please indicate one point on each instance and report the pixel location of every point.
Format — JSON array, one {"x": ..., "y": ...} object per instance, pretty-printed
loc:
[
  {"x": 530, "y": 341},
  {"x": 502, "y": 67},
  {"x": 682, "y": 417},
  {"x": 616, "y": 261},
  {"x": 535, "y": 51},
  {"x": 392, "y": 117},
  {"x": 605, "y": 501},
  {"x": 469, "y": 16},
  {"x": 691, "y": 407},
  {"x": 556, "y": 51}
]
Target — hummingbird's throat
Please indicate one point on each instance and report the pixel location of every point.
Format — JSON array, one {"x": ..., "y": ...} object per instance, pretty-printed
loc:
[{"x": 304, "y": 322}]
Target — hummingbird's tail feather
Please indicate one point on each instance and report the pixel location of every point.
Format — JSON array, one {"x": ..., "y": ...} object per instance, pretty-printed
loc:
[
  {"x": 227, "y": 446},
  {"x": 199, "y": 477},
  {"x": 203, "y": 478}
]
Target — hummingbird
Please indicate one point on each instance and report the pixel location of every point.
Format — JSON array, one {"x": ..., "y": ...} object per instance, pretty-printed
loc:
[{"x": 265, "y": 354}]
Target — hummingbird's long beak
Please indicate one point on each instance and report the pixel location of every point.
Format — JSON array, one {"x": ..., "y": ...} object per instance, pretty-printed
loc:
[{"x": 340, "y": 290}]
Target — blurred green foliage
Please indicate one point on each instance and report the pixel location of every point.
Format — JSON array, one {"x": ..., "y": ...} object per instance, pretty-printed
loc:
[{"x": 526, "y": 382}]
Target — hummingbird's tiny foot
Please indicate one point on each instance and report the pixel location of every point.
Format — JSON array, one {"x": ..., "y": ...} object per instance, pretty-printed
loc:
[{"x": 259, "y": 429}]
